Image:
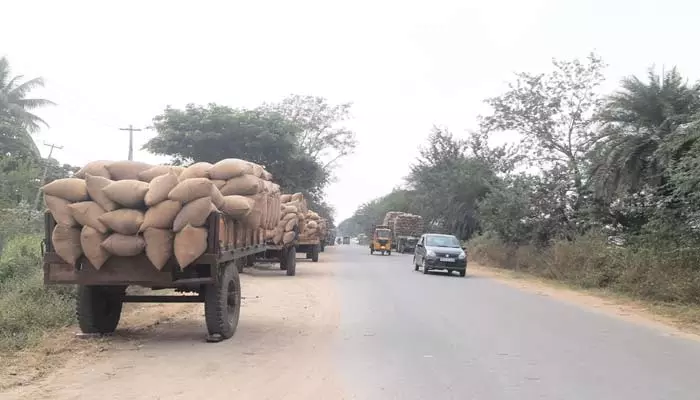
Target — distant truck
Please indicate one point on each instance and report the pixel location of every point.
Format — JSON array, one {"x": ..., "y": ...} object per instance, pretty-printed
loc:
[
  {"x": 406, "y": 230},
  {"x": 346, "y": 239}
]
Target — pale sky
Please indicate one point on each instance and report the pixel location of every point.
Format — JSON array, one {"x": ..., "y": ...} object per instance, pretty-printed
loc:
[{"x": 405, "y": 65}]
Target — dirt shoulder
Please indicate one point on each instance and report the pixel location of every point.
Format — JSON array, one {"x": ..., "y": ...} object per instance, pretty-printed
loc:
[
  {"x": 159, "y": 350},
  {"x": 670, "y": 319}
]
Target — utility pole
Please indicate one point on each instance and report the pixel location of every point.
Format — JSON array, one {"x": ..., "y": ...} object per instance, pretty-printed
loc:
[
  {"x": 46, "y": 172},
  {"x": 131, "y": 130}
]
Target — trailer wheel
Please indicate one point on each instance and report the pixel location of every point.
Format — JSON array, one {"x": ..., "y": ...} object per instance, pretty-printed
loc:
[
  {"x": 99, "y": 308},
  {"x": 314, "y": 253},
  {"x": 291, "y": 261},
  {"x": 222, "y": 303},
  {"x": 323, "y": 247},
  {"x": 250, "y": 260}
]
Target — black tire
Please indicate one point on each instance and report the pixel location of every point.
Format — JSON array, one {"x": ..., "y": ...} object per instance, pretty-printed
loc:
[
  {"x": 388, "y": 253},
  {"x": 323, "y": 247},
  {"x": 99, "y": 308},
  {"x": 222, "y": 302},
  {"x": 463, "y": 273},
  {"x": 314, "y": 253},
  {"x": 283, "y": 258},
  {"x": 371, "y": 251},
  {"x": 291, "y": 261},
  {"x": 240, "y": 264},
  {"x": 415, "y": 264},
  {"x": 250, "y": 260},
  {"x": 308, "y": 256},
  {"x": 425, "y": 267}
]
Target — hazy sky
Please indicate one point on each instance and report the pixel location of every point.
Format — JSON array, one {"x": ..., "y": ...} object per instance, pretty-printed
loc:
[{"x": 405, "y": 66}]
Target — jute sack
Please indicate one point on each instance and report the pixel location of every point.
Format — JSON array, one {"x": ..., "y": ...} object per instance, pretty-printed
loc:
[
  {"x": 266, "y": 175},
  {"x": 190, "y": 243},
  {"x": 288, "y": 216},
  {"x": 216, "y": 197},
  {"x": 286, "y": 198},
  {"x": 237, "y": 206},
  {"x": 289, "y": 209},
  {"x": 257, "y": 170},
  {"x": 219, "y": 183},
  {"x": 90, "y": 240},
  {"x": 151, "y": 173},
  {"x": 87, "y": 213},
  {"x": 71, "y": 189},
  {"x": 66, "y": 243},
  {"x": 196, "y": 170},
  {"x": 94, "y": 185},
  {"x": 312, "y": 225},
  {"x": 246, "y": 185},
  {"x": 121, "y": 170},
  {"x": 128, "y": 193},
  {"x": 94, "y": 168},
  {"x": 160, "y": 187},
  {"x": 297, "y": 197},
  {"x": 191, "y": 189},
  {"x": 60, "y": 211},
  {"x": 290, "y": 224},
  {"x": 230, "y": 168},
  {"x": 194, "y": 213},
  {"x": 159, "y": 246},
  {"x": 270, "y": 233},
  {"x": 254, "y": 218},
  {"x": 279, "y": 233},
  {"x": 161, "y": 215},
  {"x": 288, "y": 237},
  {"x": 125, "y": 221},
  {"x": 124, "y": 245}
]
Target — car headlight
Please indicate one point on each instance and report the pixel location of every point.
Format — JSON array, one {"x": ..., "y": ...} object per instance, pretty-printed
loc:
[
  {"x": 462, "y": 255},
  {"x": 430, "y": 253}
]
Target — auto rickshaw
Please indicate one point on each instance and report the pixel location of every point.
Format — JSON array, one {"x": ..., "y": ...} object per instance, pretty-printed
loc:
[{"x": 381, "y": 240}]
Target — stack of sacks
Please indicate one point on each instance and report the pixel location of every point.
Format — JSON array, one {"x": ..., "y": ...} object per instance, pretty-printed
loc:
[
  {"x": 292, "y": 211},
  {"x": 407, "y": 225},
  {"x": 124, "y": 208},
  {"x": 390, "y": 217},
  {"x": 311, "y": 227}
]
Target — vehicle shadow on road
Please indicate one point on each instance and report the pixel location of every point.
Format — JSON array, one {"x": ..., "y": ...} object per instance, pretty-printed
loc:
[{"x": 275, "y": 272}]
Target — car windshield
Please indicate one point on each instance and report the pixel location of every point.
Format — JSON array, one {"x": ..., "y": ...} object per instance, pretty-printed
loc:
[
  {"x": 442, "y": 241},
  {"x": 383, "y": 233}
]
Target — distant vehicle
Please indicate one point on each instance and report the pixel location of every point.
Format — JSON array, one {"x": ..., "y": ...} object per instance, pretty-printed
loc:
[
  {"x": 435, "y": 251},
  {"x": 346, "y": 239},
  {"x": 381, "y": 240},
  {"x": 339, "y": 241}
]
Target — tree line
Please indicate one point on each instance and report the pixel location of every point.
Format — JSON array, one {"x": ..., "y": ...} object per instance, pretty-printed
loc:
[{"x": 617, "y": 172}]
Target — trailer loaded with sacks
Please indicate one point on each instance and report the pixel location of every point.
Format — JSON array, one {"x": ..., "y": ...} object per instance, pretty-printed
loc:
[
  {"x": 281, "y": 241},
  {"x": 124, "y": 223}
]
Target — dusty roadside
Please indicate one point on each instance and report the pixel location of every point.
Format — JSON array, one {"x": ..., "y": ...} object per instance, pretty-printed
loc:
[
  {"x": 673, "y": 321},
  {"x": 159, "y": 351}
]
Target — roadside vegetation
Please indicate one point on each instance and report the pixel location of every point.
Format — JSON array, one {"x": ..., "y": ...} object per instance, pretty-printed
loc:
[
  {"x": 299, "y": 139},
  {"x": 600, "y": 190}
]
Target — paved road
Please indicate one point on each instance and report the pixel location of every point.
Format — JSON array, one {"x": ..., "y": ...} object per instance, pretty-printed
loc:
[{"x": 405, "y": 335}]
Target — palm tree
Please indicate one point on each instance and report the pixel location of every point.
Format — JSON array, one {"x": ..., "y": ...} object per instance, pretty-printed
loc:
[
  {"x": 16, "y": 109},
  {"x": 637, "y": 121}
]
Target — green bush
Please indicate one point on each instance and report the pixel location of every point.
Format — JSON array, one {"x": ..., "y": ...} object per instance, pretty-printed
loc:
[
  {"x": 27, "y": 308},
  {"x": 653, "y": 273}
]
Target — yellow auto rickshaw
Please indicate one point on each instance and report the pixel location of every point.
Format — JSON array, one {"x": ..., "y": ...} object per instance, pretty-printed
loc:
[{"x": 381, "y": 240}]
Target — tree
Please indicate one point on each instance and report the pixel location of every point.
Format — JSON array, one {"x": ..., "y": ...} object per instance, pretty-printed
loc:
[
  {"x": 316, "y": 126},
  {"x": 555, "y": 114},
  {"x": 15, "y": 108},
  {"x": 216, "y": 132},
  {"x": 638, "y": 120}
]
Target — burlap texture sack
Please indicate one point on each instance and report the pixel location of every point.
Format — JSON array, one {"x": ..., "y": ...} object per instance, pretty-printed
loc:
[
  {"x": 60, "y": 211},
  {"x": 94, "y": 168},
  {"x": 129, "y": 193},
  {"x": 95, "y": 186},
  {"x": 286, "y": 198},
  {"x": 159, "y": 246},
  {"x": 194, "y": 213},
  {"x": 160, "y": 187},
  {"x": 246, "y": 185},
  {"x": 237, "y": 206},
  {"x": 121, "y": 170},
  {"x": 125, "y": 221},
  {"x": 290, "y": 224},
  {"x": 90, "y": 241},
  {"x": 66, "y": 243},
  {"x": 151, "y": 173},
  {"x": 196, "y": 170},
  {"x": 216, "y": 197},
  {"x": 312, "y": 225},
  {"x": 87, "y": 213},
  {"x": 161, "y": 215},
  {"x": 289, "y": 209},
  {"x": 71, "y": 189},
  {"x": 191, "y": 189},
  {"x": 124, "y": 245},
  {"x": 190, "y": 244},
  {"x": 219, "y": 183},
  {"x": 288, "y": 237},
  {"x": 230, "y": 168}
]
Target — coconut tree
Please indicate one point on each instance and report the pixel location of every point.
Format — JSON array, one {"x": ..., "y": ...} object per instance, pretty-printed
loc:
[
  {"x": 16, "y": 109},
  {"x": 637, "y": 121}
]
